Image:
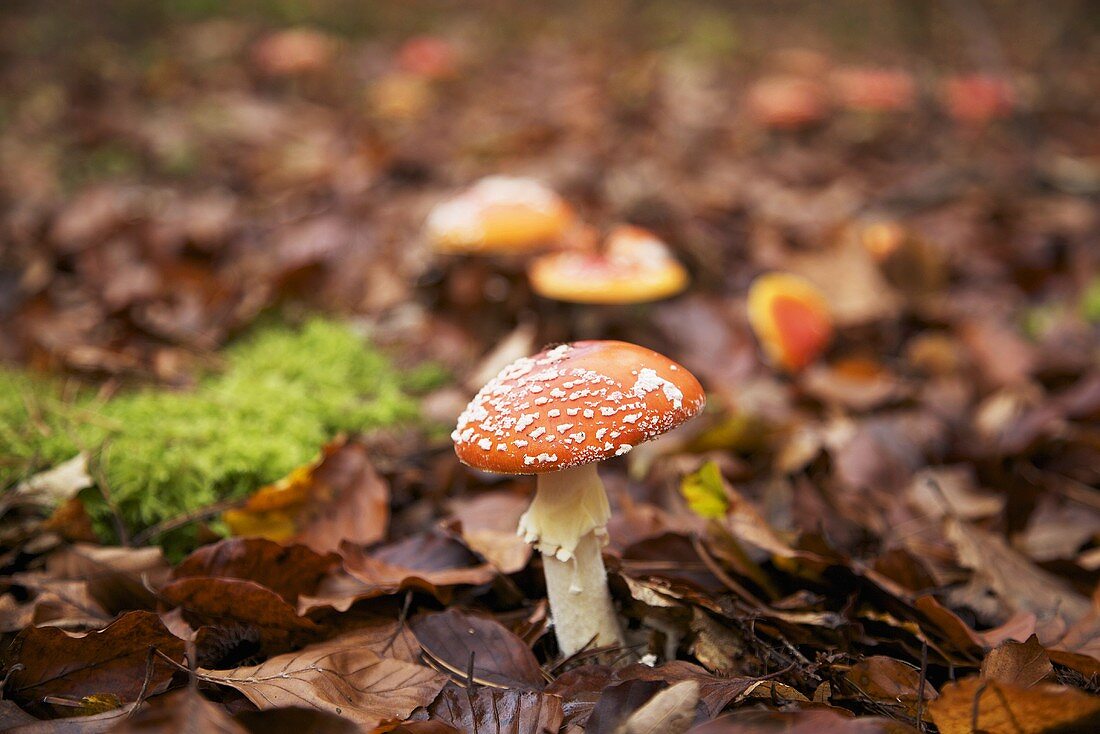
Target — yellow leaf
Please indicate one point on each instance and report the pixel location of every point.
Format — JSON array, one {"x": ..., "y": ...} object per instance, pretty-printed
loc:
[
  {"x": 705, "y": 493},
  {"x": 973, "y": 704}
]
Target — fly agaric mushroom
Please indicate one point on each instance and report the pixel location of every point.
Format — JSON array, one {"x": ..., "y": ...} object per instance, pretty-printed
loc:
[
  {"x": 556, "y": 415},
  {"x": 791, "y": 319},
  {"x": 975, "y": 100},
  {"x": 634, "y": 267},
  {"x": 499, "y": 214},
  {"x": 787, "y": 102},
  {"x": 867, "y": 89},
  {"x": 293, "y": 51}
]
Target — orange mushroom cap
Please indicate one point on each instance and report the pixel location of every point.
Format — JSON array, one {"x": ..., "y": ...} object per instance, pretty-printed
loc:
[
  {"x": 293, "y": 51},
  {"x": 791, "y": 319},
  {"x": 976, "y": 99},
  {"x": 875, "y": 90},
  {"x": 787, "y": 102},
  {"x": 634, "y": 267},
  {"x": 574, "y": 404},
  {"x": 499, "y": 214}
]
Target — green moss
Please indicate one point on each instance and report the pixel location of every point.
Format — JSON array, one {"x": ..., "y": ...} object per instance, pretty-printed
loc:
[{"x": 283, "y": 394}]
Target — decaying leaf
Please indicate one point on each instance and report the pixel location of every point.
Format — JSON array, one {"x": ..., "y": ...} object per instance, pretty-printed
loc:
[
  {"x": 181, "y": 711},
  {"x": 670, "y": 711},
  {"x": 974, "y": 704},
  {"x": 338, "y": 498},
  {"x": 289, "y": 571},
  {"x": 497, "y": 711},
  {"x": 465, "y": 644},
  {"x": 336, "y": 676},
  {"x": 891, "y": 682},
  {"x": 113, "y": 660},
  {"x": 1019, "y": 664}
]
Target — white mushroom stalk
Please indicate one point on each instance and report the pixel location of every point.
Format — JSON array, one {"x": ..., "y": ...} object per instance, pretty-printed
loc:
[{"x": 567, "y": 523}]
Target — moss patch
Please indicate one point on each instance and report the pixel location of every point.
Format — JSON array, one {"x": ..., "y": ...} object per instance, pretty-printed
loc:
[{"x": 283, "y": 394}]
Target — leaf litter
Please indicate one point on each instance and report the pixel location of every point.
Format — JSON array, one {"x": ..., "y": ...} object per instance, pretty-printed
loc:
[{"x": 900, "y": 537}]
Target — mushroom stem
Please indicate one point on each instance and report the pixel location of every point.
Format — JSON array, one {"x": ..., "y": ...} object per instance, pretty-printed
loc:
[{"x": 567, "y": 518}]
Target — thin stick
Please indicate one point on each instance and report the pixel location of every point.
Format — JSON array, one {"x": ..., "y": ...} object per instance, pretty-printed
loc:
[{"x": 179, "y": 521}]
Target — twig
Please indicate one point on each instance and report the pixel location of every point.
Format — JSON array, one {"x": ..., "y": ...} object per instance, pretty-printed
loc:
[
  {"x": 179, "y": 521},
  {"x": 920, "y": 687}
]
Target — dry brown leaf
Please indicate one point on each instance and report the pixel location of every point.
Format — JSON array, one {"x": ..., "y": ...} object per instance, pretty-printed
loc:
[
  {"x": 341, "y": 497},
  {"x": 112, "y": 660},
  {"x": 890, "y": 682},
  {"x": 464, "y": 643},
  {"x": 1020, "y": 585},
  {"x": 489, "y": 523},
  {"x": 338, "y": 676},
  {"x": 234, "y": 603},
  {"x": 670, "y": 711},
  {"x": 289, "y": 571},
  {"x": 118, "y": 578},
  {"x": 1017, "y": 663},
  {"x": 497, "y": 711},
  {"x": 181, "y": 711},
  {"x": 973, "y": 704}
]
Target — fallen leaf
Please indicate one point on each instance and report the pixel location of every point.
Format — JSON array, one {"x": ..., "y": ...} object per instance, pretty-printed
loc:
[
  {"x": 234, "y": 603},
  {"x": 112, "y": 660},
  {"x": 289, "y": 571},
  {"x": 1019, "y": 584},
  {"x": 715, "y": 691},
  {"x": 340, "y": 497},
  {"x": 433, "y": 574},
  {"x": 618, "y": 701},
  {"x": 888, "y": 681},
  {"x": 180, "y": 711},
  {"x": 489, "y": 521},
  {"x": 338, "y": 677},
  {"x": 810, "y": 721},
  {"x": 497, "y": 711},
  {"x": 670, "y": 711},
  {"x": 1020, "y": 664},
  {"x": 118, "y": 578},
  {"x": 973, "y": 704},
  {"x": 455, "y": 641},
  {"x": 50, "y": 488},
  {"x": 705, "y": 492}
]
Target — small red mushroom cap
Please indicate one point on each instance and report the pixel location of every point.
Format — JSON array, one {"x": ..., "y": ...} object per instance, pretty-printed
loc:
[{"x": 572, "y": 405}]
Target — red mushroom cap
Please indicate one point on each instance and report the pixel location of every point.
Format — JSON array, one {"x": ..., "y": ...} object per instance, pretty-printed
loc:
[{"x": 574, "y": 404}]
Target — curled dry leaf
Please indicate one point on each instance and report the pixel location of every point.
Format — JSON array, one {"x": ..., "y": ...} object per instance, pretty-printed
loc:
[
  {"x": 973, "y": 704},
  {"x": 113, "y": 660},
  {"x": 289, "y": 571},
  {"x": 241, "y": 605},
  {"x": 118, "y": 578},
  {"x": 434, "y": 573},
  {"x": 338, "y": 676},
  {"x": 489, "y": 523},
  {"x": 454, "y": 641}
]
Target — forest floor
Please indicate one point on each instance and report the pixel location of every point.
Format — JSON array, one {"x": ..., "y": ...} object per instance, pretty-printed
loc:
[{"x": 230, "y": 362}]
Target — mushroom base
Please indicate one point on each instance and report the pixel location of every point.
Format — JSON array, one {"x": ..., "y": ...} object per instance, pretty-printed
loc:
[{"x": 580, "y": 603}]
